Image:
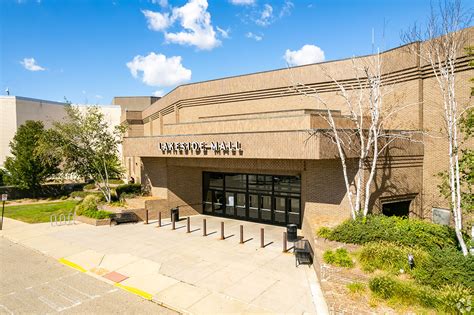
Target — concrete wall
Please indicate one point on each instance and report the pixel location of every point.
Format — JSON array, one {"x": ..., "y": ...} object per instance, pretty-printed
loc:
[
  {"x": 15, "y": 111},
  {"x": 8, "y": 125}
]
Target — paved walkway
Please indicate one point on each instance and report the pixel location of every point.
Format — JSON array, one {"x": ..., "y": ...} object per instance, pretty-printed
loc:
[
  {"x": 32, "y": 283},
  {"x": 186, "y": 272}
]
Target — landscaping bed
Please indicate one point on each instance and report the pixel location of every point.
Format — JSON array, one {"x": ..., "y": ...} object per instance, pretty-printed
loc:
[{"x": 368, "y": 259}]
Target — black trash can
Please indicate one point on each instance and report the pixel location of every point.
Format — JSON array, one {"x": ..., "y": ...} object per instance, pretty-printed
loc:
[
  {"x": 292, "y": 232},
  {"x": 174, "y": 214}
]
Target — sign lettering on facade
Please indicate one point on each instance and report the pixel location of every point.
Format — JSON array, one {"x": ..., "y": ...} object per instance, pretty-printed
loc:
[{"x": 218, "y": 146}]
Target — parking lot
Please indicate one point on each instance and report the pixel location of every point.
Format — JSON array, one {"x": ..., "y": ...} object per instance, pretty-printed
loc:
[{"x": 32, "y": 283}]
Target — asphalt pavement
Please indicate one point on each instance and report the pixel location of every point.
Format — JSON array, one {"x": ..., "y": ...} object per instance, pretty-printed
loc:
[{"x": 32, "y": 283}]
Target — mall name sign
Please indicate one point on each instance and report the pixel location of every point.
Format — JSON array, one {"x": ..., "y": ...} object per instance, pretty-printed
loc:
[{"x": 218, "y": 146}]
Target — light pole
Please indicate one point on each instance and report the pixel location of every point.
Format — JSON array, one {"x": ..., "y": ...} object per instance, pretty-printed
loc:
[{"x": 4, "y": 198}]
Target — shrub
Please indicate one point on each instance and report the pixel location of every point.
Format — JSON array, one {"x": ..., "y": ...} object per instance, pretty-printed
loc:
[
  {"x": 446, "y": 266},
  {"x": 128, "y": 189},
  {"x": 324, "y": 232},
  {"x": 451, "y": 299},
  {"x": 389, "y": 257},
  {"x": 89, "y": 186},
  {"x": 356, "y": 287},
  {"x": 409, "y": 232},
  {"x": 383, "y": 286},
  {"x": 89, "y": 208},
  {"x": 115, "y": 181},
  {"x": 457, "y": 298},
  {"x": 340, "y": 258},
  {"x": 98, "y": 214},
  {"x": 87, "y": 205},
  {"x": 83, "y": 194}
]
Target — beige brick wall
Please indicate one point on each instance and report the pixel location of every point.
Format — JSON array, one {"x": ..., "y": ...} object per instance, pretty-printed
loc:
[
  {"x": 272, "y": 121},
  {"x": 323, "y": 197}
]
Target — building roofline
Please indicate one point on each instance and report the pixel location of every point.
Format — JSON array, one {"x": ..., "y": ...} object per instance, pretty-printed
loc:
[
  {"x": 287, "y": 68},
  {"x": 23, "y": 98}
]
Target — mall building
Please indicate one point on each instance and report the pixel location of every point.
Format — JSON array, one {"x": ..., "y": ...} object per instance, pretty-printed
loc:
[
  {"x": 16, "y": 110},
  {"x": 252, "y": 147}
]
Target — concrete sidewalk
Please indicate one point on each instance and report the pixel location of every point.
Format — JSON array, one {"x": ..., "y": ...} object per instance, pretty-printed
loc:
[{"x": 185, "y": 272}]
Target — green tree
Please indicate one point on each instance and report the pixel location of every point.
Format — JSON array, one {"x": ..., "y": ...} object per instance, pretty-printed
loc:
[
  {"x": 87, "y": 146},
  {"x": 3, "y": 174},
  {"x": 27, "y": 168}
]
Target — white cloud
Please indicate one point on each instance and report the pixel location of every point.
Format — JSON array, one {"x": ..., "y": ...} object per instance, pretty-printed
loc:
[
  {"x": 158, "y": 70},
  {"x": 224, "y": 33},
  {"x": 157, "y": 21},
  {"x": 266, "y": 16},
  {"x": 195, "y": 20},
  {"x": 98, "y": 96},
  {"x": 242, "y": 2},
  {"x": 161, "y": 3},
  {"x": 159, "y": 93},
  {"x": 31, "y": 65},
  {"x": 254, "y": 36},
  {"x": 307, "y": 54},
  {"x": 286, "y": 9}
]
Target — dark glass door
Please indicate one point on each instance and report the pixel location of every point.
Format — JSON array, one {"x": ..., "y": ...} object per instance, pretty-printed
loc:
[
  {"x": 253, "y": 206},
  {"x": 266, "y": 208},
  {"x": 230, "y": 204},
  {"x": 208, "y": 202},
  {"x": 240, "y": 205},
  {"x": 294, "y": 210},
  {"x": 273, "y": 199},
  {"x": 280, "y": 210},
  {"x": 219, "y": 202}
]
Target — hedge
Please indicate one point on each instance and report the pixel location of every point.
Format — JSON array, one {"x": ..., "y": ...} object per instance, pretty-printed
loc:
[
  {"x": 129, "y": 189},
  {"x": 402, "y": 231}
]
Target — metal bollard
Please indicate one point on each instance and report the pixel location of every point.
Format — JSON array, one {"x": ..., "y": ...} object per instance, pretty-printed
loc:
[
  {"x": 222, "y": 231},
  {"x": 241, "y": 234},
  {"x": 146, "y": 216},
  {"x": 285, "y": 248},
  {"x": 262, "y": 238},
  {"x": 173, "y": 224},
  {"x": 188, "y": 225},
  {"x": 204, "y": 232},
  {"x": 159, "y": 219}
]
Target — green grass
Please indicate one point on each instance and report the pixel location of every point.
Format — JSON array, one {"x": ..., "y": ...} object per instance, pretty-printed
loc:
[{"x": 40, "y": 212}]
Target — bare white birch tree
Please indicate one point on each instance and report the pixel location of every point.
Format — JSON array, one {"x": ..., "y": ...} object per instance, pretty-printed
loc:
[
  {"x": 441, "y": 43},
  {"x": 368, "y": 138}
]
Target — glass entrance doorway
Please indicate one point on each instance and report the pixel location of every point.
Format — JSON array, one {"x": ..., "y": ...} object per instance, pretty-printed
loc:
[{"x": 273, "y": 199}]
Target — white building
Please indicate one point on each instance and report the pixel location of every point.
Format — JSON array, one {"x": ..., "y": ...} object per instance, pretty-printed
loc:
[{"x": 16, "y": 110}]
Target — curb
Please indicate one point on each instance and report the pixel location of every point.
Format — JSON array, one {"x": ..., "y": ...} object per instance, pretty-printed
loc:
[
  {"x": 71, "y": 264},
  {"x": 135, "y": 291}
]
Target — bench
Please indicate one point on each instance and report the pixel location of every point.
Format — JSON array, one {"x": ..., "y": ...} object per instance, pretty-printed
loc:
[
  {"x": 123, "y": 217},
  {"x": 303, "y": 253}
]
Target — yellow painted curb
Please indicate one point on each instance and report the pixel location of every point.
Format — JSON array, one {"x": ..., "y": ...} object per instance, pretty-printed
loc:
[
  {"x": 71, "y": 264},
  {"x": 136, "y": 291}
]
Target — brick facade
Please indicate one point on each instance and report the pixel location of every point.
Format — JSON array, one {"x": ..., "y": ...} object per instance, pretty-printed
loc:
[{"x": 282, "y": 132}]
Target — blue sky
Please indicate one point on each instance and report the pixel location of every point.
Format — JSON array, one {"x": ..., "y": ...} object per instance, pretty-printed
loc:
[{"x": 92, "y": 50}]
